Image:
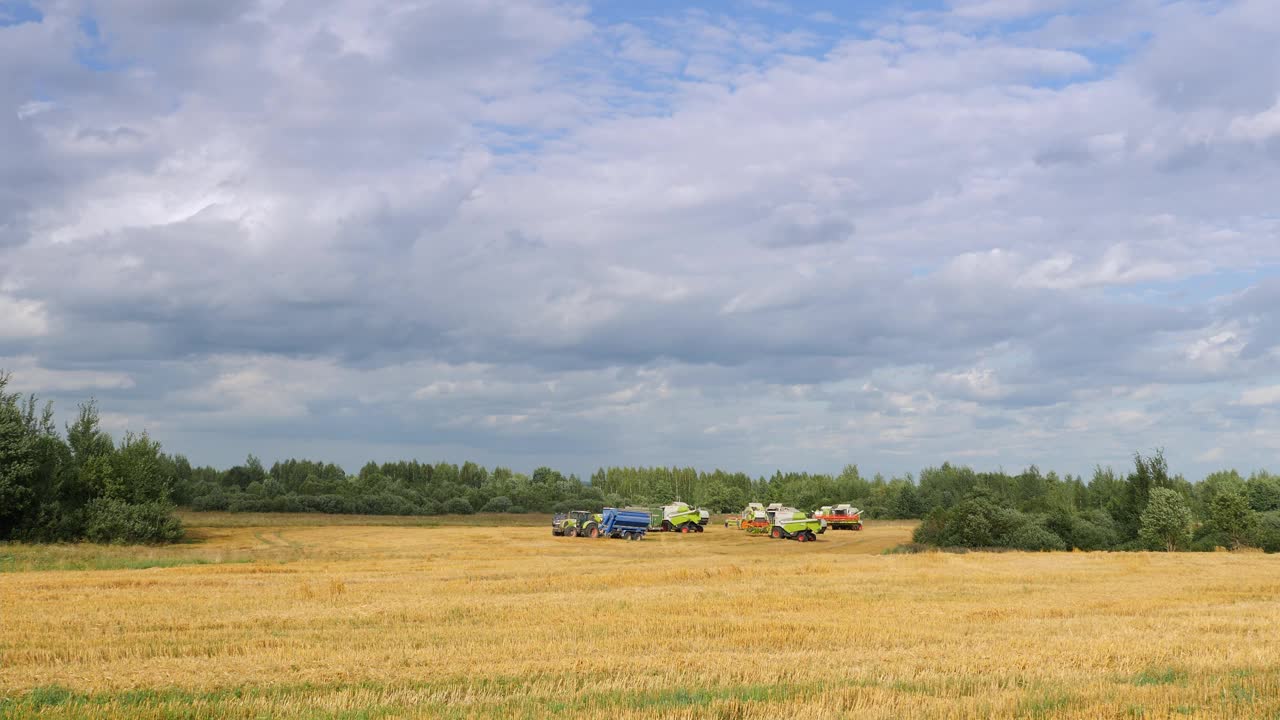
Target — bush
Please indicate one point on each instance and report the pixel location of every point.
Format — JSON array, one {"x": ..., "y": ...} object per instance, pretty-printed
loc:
[
  {"x": 932, "y": 530},
  {"x": 458, "y": 506},
  {"x": 115, "y": 521},
  {"x": 216, "y": 500},
  {"x": 517, "y": 510},
  {"x": 498, "y": 504},
  {"x": 1266, "y": 534},
  {"x": 332, "y": 504},
  {"x": 1031, "y": 536}
]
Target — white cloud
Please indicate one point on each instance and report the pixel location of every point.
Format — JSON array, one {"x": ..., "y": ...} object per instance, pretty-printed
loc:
[
  {"x": 1261, "y": 396},
  {"x": 22, "y": 318},
  {"x": 28, "y": 376}
]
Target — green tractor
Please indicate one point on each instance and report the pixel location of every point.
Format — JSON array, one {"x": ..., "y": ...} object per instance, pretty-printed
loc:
[{"x": 576, "y": 523}]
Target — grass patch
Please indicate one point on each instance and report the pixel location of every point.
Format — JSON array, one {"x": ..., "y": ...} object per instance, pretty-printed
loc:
[
  {"x": 1165, "y": 676},
  {"x": 377, "y": 700},
  {"x": 87, "y": 556},
  {"x": 1048, "y": 704},
  {"x": 193, "y": 519}
]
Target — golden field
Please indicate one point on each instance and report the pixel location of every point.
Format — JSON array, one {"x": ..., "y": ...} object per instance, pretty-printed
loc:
[{"x": 298, "y": 617}]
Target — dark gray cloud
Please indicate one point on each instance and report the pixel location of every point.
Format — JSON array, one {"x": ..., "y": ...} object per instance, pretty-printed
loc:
[{"x": 502, "y": 231}]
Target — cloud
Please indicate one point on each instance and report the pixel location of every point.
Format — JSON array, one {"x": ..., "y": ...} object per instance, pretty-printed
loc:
[
  {"x": 22, "y": 318},
  {"x": 1261, "y": 396},
  {"x": 1020, "y": 232}
]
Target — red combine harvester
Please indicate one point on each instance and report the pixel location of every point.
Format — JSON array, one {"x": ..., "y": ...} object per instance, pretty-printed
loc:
[{"x": 840, "y": 517}]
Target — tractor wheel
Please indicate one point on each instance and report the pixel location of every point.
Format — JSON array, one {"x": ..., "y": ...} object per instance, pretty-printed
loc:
[
  {"x": 594, "y": 532},
  {"x": 777, "y": 533},
  {"x": 571, "y": 532}
]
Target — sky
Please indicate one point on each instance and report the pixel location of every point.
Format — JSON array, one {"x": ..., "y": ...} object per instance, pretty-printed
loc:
[{"x": 746, "y": 234}]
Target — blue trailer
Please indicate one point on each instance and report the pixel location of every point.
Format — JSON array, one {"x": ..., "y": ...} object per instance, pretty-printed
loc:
[{"x": 626, "y": 524}]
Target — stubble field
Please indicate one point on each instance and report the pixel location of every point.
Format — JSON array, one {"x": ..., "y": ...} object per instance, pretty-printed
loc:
[{"x": 294, "y": 617}]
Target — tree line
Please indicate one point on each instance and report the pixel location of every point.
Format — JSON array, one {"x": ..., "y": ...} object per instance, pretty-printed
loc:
[{"x": 81, "y": 484}]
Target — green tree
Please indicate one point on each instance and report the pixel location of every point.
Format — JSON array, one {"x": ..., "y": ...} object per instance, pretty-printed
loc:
[
  {"x": 17, "y": 461},
  {"x": 1263, "y": 490},
  {"x": 1148, "y": 473},
  {"x": 1231, "y": 516},
  {"x": 1165, "y": 523}
]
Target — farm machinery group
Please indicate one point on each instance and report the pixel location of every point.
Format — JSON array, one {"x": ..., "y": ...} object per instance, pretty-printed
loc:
[{"x": 775, "y": 520}]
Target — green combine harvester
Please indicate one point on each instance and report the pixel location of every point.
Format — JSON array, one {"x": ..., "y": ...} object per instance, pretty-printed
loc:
[
  {"x": 676, "y": 517},
  {"x": 578, "y": 523},
  {"x": 792, "y": 524}
]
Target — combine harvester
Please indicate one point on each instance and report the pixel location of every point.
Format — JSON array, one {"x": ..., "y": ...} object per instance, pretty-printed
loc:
[
  {"x": 754, "y": 519},
  {"x": 779, "y": 521},
  {"x": 612, "y": 523},
  {"x": 840, "y": 517},
  {"x": 676, "y": 517},
  {"x": 792, "y": 524}
]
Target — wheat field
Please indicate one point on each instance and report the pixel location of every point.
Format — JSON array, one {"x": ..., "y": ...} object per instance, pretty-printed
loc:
[{"x": 293, "y": 617}]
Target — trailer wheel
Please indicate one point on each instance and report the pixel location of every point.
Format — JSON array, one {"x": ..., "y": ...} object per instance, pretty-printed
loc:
[
  {"x": 777, "y": 533},
  {"x": 633, "y": 536}
]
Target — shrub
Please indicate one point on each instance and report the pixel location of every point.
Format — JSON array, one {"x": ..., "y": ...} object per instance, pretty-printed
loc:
[
  {"x": 498, "y": 504},
  {"x": 458, "y": 506},
  {"x": 517, "y": 510},
  {"x": 115, "y": 521},
  {"x": 1266, "y": 534},
  {"x": 216, "y": 500},
  {"x": 331, "y": 504},
  {"x": 932, "y": 530},
  {"x": 1032, "y": 536}
]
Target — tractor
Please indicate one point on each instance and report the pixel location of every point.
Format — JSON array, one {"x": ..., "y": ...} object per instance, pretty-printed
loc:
[{"x": 576, "y": 523}]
